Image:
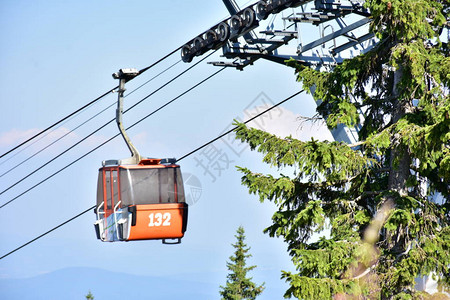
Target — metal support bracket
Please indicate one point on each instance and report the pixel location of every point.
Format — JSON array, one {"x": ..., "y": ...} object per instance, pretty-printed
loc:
[{"x": 125, "y": 75}]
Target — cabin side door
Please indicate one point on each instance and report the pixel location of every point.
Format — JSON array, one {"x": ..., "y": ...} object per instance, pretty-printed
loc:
[{"x": 111, "y": 191}]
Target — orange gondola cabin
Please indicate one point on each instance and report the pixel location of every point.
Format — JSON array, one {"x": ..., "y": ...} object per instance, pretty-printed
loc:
[
  {"x": 140, "y": 202},
  {"x": 139, "y": 198}
]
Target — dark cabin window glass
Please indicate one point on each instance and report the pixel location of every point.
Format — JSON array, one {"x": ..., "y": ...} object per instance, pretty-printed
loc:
[
  {"x": 108, "y": 189},
  {"x": 148, "y": 186},
  {"x": 115, "y": 180},
  {"x": 171, "y": 196},
  {"x": 100, "y": 189},
  {"x": 180, "y": 186}
]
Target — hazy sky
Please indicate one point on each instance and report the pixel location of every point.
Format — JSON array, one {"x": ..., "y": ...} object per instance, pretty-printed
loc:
[{"x": 57, "y": 56}]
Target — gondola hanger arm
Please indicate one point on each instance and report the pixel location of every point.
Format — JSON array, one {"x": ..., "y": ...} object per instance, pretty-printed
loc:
[{"x": 125, "y": 75}]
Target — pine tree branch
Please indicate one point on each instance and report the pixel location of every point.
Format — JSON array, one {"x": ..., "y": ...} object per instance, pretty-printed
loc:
[
  {"x": 367, "y": 271},
  {"x": 436, "y": 84},
  {"x": 356, "y": 144}
]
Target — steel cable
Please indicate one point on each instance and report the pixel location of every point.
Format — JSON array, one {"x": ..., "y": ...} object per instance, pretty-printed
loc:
[
  {"x": 98, "y": 129},
  {"x": 88, "y": 120},
  {"x": 86, "y": 105},
  {"x": 184, "y": 156}
]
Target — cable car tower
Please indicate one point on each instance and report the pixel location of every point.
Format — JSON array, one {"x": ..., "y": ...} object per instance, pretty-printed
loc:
[
  {"x": 139, "y": 198},
  {"x": 342, "y": 33}
]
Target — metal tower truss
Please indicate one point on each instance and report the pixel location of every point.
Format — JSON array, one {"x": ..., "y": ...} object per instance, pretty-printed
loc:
[
  {"x": 333, "y": 30},
  {"x": 242, "y": 46}
]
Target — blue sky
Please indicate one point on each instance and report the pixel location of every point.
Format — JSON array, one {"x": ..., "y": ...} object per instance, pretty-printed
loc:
[{"x": 56, "y": 57}]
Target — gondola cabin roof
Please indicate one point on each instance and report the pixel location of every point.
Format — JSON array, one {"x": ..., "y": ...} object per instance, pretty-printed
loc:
[{"x": 144, "y": 163}]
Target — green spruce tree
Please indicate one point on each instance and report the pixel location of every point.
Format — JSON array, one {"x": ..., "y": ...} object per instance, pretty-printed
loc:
[
  {"x": 385, "y": 199},
  {"x": 239, "y": 286},
  {"x": 89, "y": 296}
]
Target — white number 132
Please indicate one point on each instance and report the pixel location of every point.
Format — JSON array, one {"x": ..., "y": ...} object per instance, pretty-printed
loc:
[{"x": 159, "y": 219}]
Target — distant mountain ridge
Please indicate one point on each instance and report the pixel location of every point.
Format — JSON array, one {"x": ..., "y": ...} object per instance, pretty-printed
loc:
[{"x": 75, "y": 283}]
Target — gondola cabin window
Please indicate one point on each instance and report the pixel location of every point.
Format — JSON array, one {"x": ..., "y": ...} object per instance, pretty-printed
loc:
[{"x": 151, "y": 186}]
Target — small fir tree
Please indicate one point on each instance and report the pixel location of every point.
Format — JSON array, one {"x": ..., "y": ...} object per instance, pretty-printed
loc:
[
  {"x": 239, "y": 286},
  {"x": 386, "y": 197},
  {"x": 89, "y": 296}
]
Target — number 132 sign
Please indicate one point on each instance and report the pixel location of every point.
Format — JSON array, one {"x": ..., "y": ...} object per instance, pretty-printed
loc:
[{"x": 159, "y": 219}]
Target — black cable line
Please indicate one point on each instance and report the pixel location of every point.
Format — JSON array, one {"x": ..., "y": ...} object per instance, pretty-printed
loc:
[
  {"x": 190, "y": 153},
  {"x": 170, "y": 81},
  {"x": 102, "y": 144},
  {"x": 91, "y": 118},
  {"x": 49, "y": 145},
  {"x": 170, "y": 67},
  {"x": 98, "y": 129},
  {"x": 160, "y": 60},
  {"x": 56, "y": 123},
  {"x": 180, "y": 95},
  {"x": 86, "y": 105},
  {"x": 35, "y": 141},
  {"x": 234, "y": 128},
  {"x": 51, "y": 160},
  {"x": 47, "y": 232}
]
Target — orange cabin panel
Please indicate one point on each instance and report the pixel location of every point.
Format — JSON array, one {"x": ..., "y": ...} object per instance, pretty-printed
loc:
[{"x": 159, "y": 221}]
